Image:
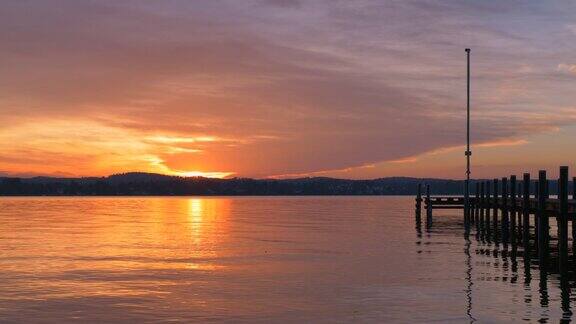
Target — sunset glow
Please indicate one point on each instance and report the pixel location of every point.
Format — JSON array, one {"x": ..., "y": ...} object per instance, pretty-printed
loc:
[{"x": 280, "y": 88}]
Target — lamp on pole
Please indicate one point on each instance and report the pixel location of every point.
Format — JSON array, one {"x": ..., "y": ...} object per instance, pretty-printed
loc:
[{"x": 468, "y": 153}]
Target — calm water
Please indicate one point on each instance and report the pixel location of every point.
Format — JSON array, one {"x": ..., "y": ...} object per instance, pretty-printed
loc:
[{"x": 286, "y": 259}]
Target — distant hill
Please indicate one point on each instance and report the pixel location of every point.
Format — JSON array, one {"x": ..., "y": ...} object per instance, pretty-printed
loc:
[{"x": 141, "y": 184}]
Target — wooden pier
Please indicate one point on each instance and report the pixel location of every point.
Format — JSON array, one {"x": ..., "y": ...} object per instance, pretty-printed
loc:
[{"x": 518, "y": 211}]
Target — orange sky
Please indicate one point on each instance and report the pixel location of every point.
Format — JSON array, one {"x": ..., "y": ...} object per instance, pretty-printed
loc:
[{"x": 284, "y": 88}]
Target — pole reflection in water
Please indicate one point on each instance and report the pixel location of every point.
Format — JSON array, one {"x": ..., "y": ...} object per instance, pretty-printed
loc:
[
  {"x": 543, "y": 289},
  {"x": 565, "y": 288},
  {"x": 469, "y": 282}
]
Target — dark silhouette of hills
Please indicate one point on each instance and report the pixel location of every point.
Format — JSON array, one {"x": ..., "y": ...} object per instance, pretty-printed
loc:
[{"x": 140, "y": 184}]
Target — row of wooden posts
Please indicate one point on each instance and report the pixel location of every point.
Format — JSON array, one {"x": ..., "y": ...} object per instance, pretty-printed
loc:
[{"x": 512, "y": 202}]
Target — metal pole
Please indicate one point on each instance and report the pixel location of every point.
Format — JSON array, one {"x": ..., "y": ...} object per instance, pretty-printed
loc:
[{"x": 468, "y": 153}]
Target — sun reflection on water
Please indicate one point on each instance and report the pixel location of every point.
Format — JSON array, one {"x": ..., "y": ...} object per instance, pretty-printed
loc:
[
  {"x": 206, "y": 221},
  {"x": 196, "y": 212}
]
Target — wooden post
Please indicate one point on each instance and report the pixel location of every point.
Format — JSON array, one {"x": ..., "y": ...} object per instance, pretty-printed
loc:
[
  {"x": 518, "y": 209},
  {"x": 495, "y": 208},
  {"x": 428, "y": 206},
  {"x": 476, "y": 204},
  {"x": 562, "y": 220},
  {"x": 419, "y": 200},
  {"x": 513, "y": 209},
  {"x": 505, "y": 216},
  {"x": 482, "y": 206},
  {"x": 526, "y": 211},
  {"x": 543, "y": 228},
  {"x": 573, "y": 222},
  {"x": 488, "y": 201}
]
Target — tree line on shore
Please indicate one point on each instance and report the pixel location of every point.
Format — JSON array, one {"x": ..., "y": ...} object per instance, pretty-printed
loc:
[{"x": 142, "y": 184}]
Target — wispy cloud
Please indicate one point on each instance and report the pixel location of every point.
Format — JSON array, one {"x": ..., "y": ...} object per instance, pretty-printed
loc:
[{"x": 570, "y": 68}]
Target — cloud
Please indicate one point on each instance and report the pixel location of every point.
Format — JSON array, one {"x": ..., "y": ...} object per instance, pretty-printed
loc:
[
  {"x": 280, "y": 87},
  {"x": 570, "y": 68}
]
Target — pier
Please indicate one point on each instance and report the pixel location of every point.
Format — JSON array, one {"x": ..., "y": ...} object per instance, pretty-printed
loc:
[{"x": 516, "y": 212}]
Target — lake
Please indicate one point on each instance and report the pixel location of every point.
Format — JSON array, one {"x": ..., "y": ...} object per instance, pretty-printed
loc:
[{"x": 258, "y": 259}]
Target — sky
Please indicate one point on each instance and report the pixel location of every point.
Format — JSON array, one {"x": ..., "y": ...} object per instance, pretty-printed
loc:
[{"x": 285, "y": 88}]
